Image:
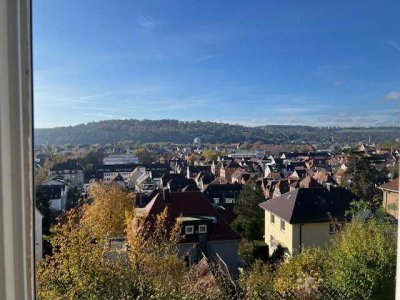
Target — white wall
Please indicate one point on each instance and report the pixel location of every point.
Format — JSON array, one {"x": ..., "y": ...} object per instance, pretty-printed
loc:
[
  {"x": 38, "y": 235},
  {"x": 16, "y": 153}
]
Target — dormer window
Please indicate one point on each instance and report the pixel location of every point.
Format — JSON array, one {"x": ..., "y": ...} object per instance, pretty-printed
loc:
[
  {"x": 202, "y": 228},
  {"x": 189, "y": 229}
]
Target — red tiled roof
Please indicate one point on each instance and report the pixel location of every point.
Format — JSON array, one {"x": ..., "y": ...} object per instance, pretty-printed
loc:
[
  {"x": 190, "y": 204},
  {"x": 392, "y": 185}
]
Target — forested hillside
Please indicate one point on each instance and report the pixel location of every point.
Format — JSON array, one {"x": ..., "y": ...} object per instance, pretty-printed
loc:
[{"x": 148, "y": 131}]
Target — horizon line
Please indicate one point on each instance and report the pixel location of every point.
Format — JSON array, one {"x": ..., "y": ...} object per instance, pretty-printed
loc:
[{"x": 220, "y": 122}]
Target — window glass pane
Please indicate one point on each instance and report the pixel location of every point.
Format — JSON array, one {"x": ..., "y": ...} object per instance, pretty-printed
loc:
[{"x": 282, "y": 225}]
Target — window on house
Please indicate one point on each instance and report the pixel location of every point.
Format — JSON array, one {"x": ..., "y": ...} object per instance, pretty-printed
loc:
[
  {"x": 202, "y": 228},
  {"x": 271, "y": 238},
  {"x": 272, "y": 219},
  {"x": 282, "y": 225},
  {"x": 189, "y": 229}
]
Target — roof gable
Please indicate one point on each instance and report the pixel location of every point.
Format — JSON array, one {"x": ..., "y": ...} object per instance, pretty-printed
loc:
[{"x": 190, "y": 204}]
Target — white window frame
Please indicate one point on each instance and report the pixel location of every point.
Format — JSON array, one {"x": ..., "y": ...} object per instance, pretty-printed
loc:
[
  {"x": 229, "y": 200},
  {"x": 191, "y": 231},
  {"x": 203, "y": 230},
  {"x": 272, "y": 219},
  {"x": 17, "y": 248}
]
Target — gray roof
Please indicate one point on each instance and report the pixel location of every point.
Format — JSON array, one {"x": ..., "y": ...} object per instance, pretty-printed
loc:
[{"x": 311, "y": 205}]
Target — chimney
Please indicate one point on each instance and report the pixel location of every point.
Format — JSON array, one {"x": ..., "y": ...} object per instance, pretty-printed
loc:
[{"x": 166, "y": 195}]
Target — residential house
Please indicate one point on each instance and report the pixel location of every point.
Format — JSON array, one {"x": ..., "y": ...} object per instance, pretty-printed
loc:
[
  {"x": 224, "y": 195},
  {"x": 216, "y": 166},
  {"x": 145, "y": 185},
  {"x": 305, "y": 217},
  {"x": 107, "y": 173},
  {"x": 204, "y": 231},
  {"x": 322, "y": 176},
  {"x": 390, "y": 192},
  {"x": 167, "y": 178},
  {"x": 240, "y": 176},
  {"x": 193, "y": 171},
  {"x": 203, "y": 179},
  {"x": 71, "y": 171},
  {"x": 119, "y": 180},
  {"x": 280, "y": 187},
  {"x": 56, "y": 191},
  {"x": 227, "y": 168},
  {"x": 178, "y": 184},
  {"x": 133, "y": 176}
]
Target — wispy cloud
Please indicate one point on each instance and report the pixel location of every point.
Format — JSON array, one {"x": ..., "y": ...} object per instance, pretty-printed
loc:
[
  {"x": 207, "y": 57},
  {"x": 103, "y": 115},
  {"x": 393, "y": 96},
  {"x": 81, "y": 99},
  {"x": 147, "y": 23},
  {"x": 375, "y": 118},
  {"x": 395, "y": 45},
  {"x": 339, "y": 82}
]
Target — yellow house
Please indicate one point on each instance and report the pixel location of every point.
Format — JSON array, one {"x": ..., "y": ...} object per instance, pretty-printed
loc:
[
  {"x": 305, "y": 217},
  {"x": 391, "y": 197}
]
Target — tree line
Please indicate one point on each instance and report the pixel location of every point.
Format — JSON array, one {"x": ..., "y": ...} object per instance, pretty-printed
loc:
[{"x": 154, "y": 131}]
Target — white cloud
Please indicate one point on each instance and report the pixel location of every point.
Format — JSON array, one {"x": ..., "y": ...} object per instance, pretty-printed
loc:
[
  {"x": 339, "y": 82},
  {"x": 103, "y": 115},
  {"x": 147, "y": 23},
  {"x": 394, "y": 45},
  {"x": 392, "y": 96},
  {"x": 207, "y": 57}
]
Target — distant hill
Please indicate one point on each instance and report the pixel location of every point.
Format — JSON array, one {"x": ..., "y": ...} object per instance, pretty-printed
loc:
[{"x": 149, "y": 131}]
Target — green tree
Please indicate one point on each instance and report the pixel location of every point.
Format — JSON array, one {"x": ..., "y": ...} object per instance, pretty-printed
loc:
[
  {"x": 154, "y": 256},
  {"x": 42, "y": 173},
  {"x": 245, "y": 146},
  {"x": 80, "y": 269},
  {"x": 362, "y": 261},
  {"x": 365, "y": 179},
  {"x": 110, "y": 208},
  {"x": 144, "y": 156},
  {"x": 72, "y": 197},
  {"x": 91, "y": 159},
  {"x": 246, "y": 250},
  {"x": 250, "y": 220},
  {"x": 307, "y": 265},
  {"x": 43, "y": 204},
  {"x": 258, "y": 282},
  {"x": 83, "y": 265},
  {"x": 210, "y": 154}
]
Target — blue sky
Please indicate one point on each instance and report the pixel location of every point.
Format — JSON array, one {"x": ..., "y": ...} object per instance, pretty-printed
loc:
[{"x": 324, "y": 63}]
